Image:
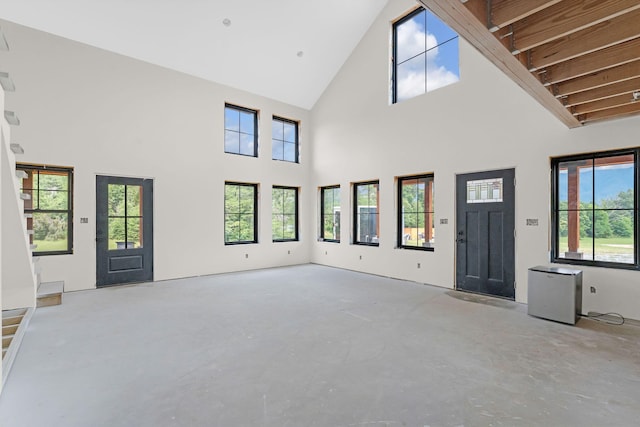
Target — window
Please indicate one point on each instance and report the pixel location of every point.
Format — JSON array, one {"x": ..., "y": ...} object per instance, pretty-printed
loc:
[
  {"x": 240, "y": 213},
  {"x": 284, "y": 140},
  {"x": 284, "y": 214},
  {"x": 49, "y": 208},
  {"x": 425, "y": 55},
  {"x": 330, "y": 213},
  {"x": 240, "y": 131},
  {"x": 367, "y": 204},
  {"x": 415, "y": 212},
  {"x": 595, "y": 209}
]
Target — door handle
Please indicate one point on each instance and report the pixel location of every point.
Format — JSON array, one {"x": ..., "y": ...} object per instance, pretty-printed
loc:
[{"x": 461, "y": 240}]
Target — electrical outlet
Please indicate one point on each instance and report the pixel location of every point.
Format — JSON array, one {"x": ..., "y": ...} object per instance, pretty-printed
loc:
[
  {"x": 288, "y": 252},
  {"x": 360, "y": 256},
  {"x": 325, "y": 252},
  {"x": 246, "y": 255},
  {"x": 592, "y": 289},
  {"x": 418, "y": 265}
]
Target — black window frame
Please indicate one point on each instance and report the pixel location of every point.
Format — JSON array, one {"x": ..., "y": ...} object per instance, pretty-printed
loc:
[
  {"x": 394, "y": 48},
  {"x": 255, "y": 213},
  {"x": 296, "y": 143},
  {"x": 555, "y": 209},
  {"x": 400, "y": 229},
  {"x": 336, "y": 223},
  {"x": 33, "y": 168},
  {"x": 356, "y": 215},
  {"x": 255, "y": 129},
  {"x": 295, "y": 213}
]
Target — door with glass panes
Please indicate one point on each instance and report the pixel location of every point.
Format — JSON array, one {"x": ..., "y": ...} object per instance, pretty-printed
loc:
[{"x": 124, "y": 230}]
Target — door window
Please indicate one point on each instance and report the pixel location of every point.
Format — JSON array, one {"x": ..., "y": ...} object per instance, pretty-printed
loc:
[{"x": 125, "y": 216}]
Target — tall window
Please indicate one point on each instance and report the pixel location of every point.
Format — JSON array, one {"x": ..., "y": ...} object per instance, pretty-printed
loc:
[
  {"x": 425, "y": 55},
  {"x": 595, "y": 209},
  {"x": 240, "y": 131},
  {"x": 330, "y": 213},
  {"x": 284, "y": 140},
  {"x": 284, "y": 214},
  {"x": 49, "y": 208},
  {"x": 240, "y": 213},
  {"x": 415, "y": 215},
  {"x": 366, "y": 218}
]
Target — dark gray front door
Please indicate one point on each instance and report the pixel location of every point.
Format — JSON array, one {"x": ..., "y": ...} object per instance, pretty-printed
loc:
[
  {"x": 485, "y": 224},
  {"x": 124, "y": 230}
]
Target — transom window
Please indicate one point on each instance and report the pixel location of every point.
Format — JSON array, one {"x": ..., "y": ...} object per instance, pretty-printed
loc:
[
  {"x": 48, "y": 208},
  {"x": 240, "y": 131},
  {"x": 415, "y": 216},
  {"x": 284, "y": 214},
  {"x": 284, "y": 140},
  {"x": 425, "y": 55},
  {"x": 595, "y": 209},
  {"x": 330, "y": 213},
  {"x": 240, "y": 213},
  {"x": 366, "y": 213}
]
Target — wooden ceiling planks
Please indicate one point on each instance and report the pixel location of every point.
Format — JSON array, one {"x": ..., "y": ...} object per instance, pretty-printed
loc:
[{"x": 585, "y": 53}]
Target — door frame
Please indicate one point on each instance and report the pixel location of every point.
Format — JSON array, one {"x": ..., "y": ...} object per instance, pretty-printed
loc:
[{"x": 455, "y": 230}]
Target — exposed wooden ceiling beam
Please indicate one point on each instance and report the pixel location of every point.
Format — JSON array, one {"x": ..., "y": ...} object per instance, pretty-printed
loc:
[
  {"x": 505, "y": 12},
  {"x": 603, "y": 104},
  {"x": 603, "y": 92},
  {"x": 461, "y": 20},
  {"x": 625, "y": 110},
  {"x": 602, "y": 78},
  {"x": 565, "y": 18},
  {"x": 599, "y": 36},
  {"x": 593, "y": 62}
]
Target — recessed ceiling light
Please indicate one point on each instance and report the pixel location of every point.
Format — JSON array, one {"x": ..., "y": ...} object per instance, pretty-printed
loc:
[
  {"x": 300, "y": 54},
  {"x": 226, "y": 22}
]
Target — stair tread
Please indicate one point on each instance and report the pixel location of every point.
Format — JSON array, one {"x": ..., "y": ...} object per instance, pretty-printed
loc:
[
  {"x": 50, "y": 288},
  {"x": 14, "y": 312}
]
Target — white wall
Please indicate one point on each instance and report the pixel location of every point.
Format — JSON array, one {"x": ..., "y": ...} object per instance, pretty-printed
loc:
[
  {"x": 483, "y": 122},
  {"x": 106, "y": 114}
]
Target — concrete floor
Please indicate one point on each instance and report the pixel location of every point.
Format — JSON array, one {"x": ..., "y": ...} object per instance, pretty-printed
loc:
[{"x": 315, "y": 346}]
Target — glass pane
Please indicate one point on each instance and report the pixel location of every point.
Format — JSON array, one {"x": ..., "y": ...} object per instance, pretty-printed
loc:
[
  {"x": 50, "y": 231},
  {"x": 277, "y": 195},
  {"x": 575, "y": 184},
  {"x": 247, "y": 122},
  {"x": 134, "y": 200},
  {"x": 289, "y": 152},
  {"x": 50, "y": 180},
  {"x": 442, "y": 65},
  {"x": 277, "y": 225},
  {"x": 575, "y": 234},
  {"x": 247, "y": 144},
  {"x": 411, "y": 37},
  {"x": 52, "y": 200},
  {"x": 373, "y": 194},
  {"x": 116, "y": 200},
  {"x": 411, "y": 78},
  {"x": 438, "y": 29},
  {"x": 614, "y": 181},
  {"x": 614, "y": 232},
  {"x": 411, "y": 231},
  {"x": 409, "y": 196},
  {"x": 289, "y": 132},
  {"x": 231, "y": 142},
  {"x": 134, "y": 233},
  {"x": 485, "y": 190},
  {"x": 231, "y": 198},
  {"x": 289, "y": 231},
  {"x": 246, "y": 228},
  {"x": 246, "y": 199},
  {"x": 289, "y": 202},
  {"x": 117, "y": 239},
  {"x": 232, "y": 119},
  {"x": 277, "y": 129},
  {"x": 231, "y": 228},
  {"x": 277, "y": 150}
]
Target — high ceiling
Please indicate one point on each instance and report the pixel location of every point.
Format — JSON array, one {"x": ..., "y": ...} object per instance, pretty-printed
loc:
[
  {"x": 288, "y": 50},
  {"x": 579, "y": 58}
]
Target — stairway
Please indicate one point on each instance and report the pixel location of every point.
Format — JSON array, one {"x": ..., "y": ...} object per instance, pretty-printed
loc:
[
  {"x": 14, "y": 325},
  {"x": 49, "y": 294}
]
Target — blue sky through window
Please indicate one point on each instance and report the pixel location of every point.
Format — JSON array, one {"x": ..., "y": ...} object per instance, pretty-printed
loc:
[{"x": 427, "y": 55}]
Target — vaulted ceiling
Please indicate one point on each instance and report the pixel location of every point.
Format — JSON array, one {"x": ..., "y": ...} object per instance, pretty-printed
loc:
[
  {"x": 288, "y": 50},
  {"x": 579, "y": 58}
]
